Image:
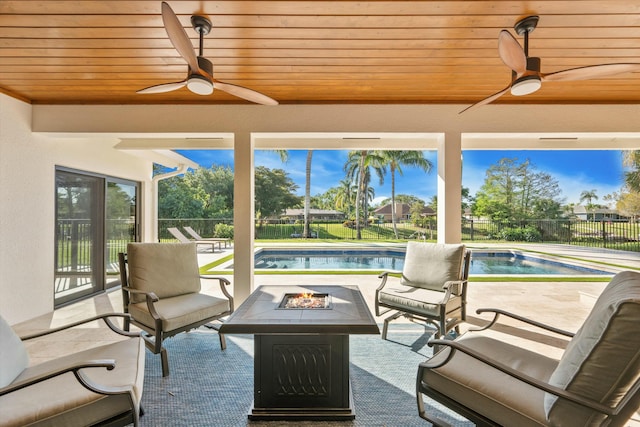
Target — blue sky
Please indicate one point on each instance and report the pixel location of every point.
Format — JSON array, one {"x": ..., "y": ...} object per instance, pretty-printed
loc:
[{"x": 576, "y": 171}]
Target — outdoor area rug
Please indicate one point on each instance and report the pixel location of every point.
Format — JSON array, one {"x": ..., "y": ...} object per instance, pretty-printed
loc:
[{"x": 210, "y": 387}]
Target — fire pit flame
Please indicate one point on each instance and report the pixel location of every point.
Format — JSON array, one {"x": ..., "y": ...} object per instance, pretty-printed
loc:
[{"x": 306, "y": 300}]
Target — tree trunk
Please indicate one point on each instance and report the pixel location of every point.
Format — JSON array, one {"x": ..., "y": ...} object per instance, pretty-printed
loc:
[
  {"x": 393, "y": 202},
  {"x": 307, "y": 196},
  {"x": 360, "y": 195}
]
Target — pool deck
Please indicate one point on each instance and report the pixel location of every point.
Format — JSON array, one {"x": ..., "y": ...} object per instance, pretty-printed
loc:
[{"x": 562, "y": 304}]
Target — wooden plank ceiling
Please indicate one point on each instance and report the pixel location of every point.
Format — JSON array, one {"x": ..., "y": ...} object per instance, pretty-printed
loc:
[{"x": 101, "y": 52}]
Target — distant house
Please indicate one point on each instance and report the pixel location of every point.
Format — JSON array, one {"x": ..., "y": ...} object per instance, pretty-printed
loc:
[
  {"x": 598, "y": 214},
  {"x": 403, "y": 212},
  {"x": 314, "y": 214}
]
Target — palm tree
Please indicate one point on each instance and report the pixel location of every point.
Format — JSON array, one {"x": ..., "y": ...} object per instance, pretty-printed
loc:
[
  {"x": 307, "y": 195},
  {"x": 588, "y": 195},
  {"x": 632, "y": 177},
  {"x": 344, "y": 196},
  {"x": 357, "y": 166},
  {"x": 395, "y": 159}
]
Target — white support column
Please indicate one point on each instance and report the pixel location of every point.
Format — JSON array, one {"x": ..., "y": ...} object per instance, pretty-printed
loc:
[
  {"x": 243, "y": 217},
  {"x": 450, "y": 195}
]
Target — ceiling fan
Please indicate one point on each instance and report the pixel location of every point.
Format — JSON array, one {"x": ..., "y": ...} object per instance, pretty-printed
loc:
[
  {"x": 526, "y": 77},
  {"x": 200, "y": 74}
]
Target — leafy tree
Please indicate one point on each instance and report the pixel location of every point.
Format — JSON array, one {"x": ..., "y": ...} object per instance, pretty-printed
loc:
[
  {"x": 217, "y": 183},
  {"x": 395, "y": 159},
  {"x": 324, "y": 200},
  {"x": 629, "y": 205},
  {"x": 119, "y": 203},
  {"x": 467, "y": 200},
  {"x": 274, "y": 192},
  {"x": 179, "y": 198},
  {"x": 402, "y": 198},
  {"x": 416, "y": 211},
  {"x": 514, "y": 191},
  {"x": 547, "y": 209}
]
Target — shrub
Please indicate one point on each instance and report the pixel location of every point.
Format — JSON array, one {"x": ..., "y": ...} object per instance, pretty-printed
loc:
[
  {"x": 223, "y": 230},
  {"x": 523, "y": 234}
]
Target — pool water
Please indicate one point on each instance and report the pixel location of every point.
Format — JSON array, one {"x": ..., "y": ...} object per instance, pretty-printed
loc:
[{"x": 482, "y": 262}]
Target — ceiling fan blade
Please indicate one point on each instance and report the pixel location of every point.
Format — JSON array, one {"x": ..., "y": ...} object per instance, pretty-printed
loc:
[
  {"x": 487, "y": 100},
  {"x": 511, "y": 52},
  {"x": 164, "y": 87},
  {"x": 178, "y": 36},
  {"x": 244, "y": 93},
  {"x": 591, "y": 72}
]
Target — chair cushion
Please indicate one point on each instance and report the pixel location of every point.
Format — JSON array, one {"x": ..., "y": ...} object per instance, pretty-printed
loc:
[
  {"x": 63, "y": 401},
  {"x": 602, "y": 361},
  {"x": 430, "y": 265},
  {"x": 167, "y": 269},
  {"x": 13, "y": 354},
  {"x": 180, "y": 311},
  {"x": 416, "y": 300},
  {"x": 486, "y": 390}
]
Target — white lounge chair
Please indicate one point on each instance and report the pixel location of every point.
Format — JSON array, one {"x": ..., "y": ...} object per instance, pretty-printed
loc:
[
  {"x": 196, "y": 236},
  {"x": 184, "y": 239}
]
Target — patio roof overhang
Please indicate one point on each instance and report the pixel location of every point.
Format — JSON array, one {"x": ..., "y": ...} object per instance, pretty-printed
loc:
[{"x": 400, "y": 127}]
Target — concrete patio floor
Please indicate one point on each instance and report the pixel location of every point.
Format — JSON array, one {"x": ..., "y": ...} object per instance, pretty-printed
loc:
[{"x": 562, "y": 304}]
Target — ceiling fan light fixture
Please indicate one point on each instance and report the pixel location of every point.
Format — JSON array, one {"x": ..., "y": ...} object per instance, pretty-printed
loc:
[
  {"x": 199, "y": 85},
  {"x": 526, "y": 85}
]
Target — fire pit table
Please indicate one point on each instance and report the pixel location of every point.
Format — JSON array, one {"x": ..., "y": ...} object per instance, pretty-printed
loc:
[{"x": 301, "y": 340}]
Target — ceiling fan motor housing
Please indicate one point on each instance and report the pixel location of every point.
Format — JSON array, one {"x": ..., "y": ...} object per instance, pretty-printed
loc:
[{"x": 201, "y": 83}]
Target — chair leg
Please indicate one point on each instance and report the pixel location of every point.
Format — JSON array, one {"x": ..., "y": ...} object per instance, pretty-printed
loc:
[
  {"x": 223, "y": 341},
  {"x": 164, "y": 357},
  {"x": 385, "y": 326},
  {"x": 437, "y": 422}
]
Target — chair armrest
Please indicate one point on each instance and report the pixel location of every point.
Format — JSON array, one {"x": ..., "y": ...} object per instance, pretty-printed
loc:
[
  {"x": 105, "y": 317},
  {"x": 76, "y": 367},
  {"x": 385, "y": 274},
  {"x": 456, "y": 287},
  {"x": 454, "y": 346},
  {"x": 150, "y": 299},
  {"x": 496, "y": 315},
  {"x": 223, "y": 284}
]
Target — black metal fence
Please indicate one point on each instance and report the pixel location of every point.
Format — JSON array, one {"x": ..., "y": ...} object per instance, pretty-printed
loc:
[{"x": 611, "y": 234}]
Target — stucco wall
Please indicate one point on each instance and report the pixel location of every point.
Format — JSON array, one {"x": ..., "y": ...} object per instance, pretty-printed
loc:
[{"x": 27, "y": 172}]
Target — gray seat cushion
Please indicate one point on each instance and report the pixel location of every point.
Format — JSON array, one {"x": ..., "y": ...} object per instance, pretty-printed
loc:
[
  {"x": 487, "y": 390},
  {"x": 179, "y": 311},
  {"x": 63, "y": 401}
]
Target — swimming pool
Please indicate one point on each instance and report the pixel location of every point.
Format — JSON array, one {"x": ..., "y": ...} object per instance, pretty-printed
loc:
[{"x": 482, "y": 262}]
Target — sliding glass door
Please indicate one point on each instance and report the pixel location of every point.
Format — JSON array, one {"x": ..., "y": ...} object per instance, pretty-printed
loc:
[
  {"x": 121, "y": 224},
  {"x": 95, "y": 217}
]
